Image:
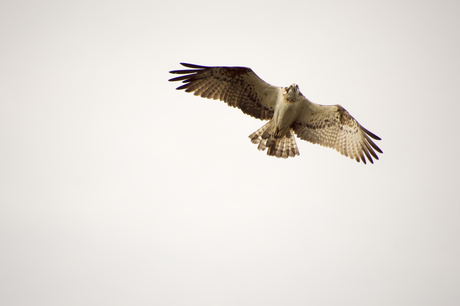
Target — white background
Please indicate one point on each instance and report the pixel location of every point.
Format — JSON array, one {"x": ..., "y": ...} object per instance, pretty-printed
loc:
[{"x": 116, "y": 189}]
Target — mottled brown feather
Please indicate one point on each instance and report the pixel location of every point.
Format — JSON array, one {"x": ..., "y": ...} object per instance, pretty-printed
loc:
[
  {"x": 330, "y": 126},
  {"x": 333, "y": 127},
  {"x": 237, "y": 86}
]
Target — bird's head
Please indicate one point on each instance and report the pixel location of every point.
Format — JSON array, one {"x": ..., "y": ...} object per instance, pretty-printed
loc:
[{"x": 293, "y": 92}]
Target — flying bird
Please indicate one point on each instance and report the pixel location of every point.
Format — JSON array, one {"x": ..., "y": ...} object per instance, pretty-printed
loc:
[{"x": 287, "y": 110}]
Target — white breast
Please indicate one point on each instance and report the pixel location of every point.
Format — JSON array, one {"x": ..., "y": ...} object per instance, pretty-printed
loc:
[{"x": 285, "y": 114}]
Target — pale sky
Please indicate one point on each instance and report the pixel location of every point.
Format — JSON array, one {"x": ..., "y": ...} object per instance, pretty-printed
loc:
[{"x": 116, "y": 189}]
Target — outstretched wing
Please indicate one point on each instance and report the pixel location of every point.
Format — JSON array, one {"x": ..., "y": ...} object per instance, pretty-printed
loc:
[
  {"x": 237, "y": 86},
  {"x": 332, "y": 126}
]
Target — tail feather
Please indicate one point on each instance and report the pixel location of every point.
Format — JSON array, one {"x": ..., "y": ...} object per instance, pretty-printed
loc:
[
  {"x": 279, "y": 147},
  {"x": 258, "y": 136},
  {"x": 284, "y": 147}
]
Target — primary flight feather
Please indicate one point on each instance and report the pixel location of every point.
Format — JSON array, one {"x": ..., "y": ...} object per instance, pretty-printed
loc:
[{"x": 287, "y": 110}]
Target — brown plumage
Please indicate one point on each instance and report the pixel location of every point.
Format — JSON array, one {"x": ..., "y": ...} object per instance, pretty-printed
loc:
[{"x": 287, "y": 110}]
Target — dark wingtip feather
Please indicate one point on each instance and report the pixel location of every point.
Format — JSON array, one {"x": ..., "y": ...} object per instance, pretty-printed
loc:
[
  {"x": 177, "y": 78},
  {"x": 368, "y": 134},
  {"x": 193, "y": 66},
  {"x": 186, "y": 78},
  {"x": 366, "y": 151},
  {"x": 185, "y": 86},
  {"x": 369, "y": 148},
  {"x": 363, "y": 158},
  {"x": 371, "y": 134},
  {"x": 373, "y": 145},
  {"x": 195, "y": 69},
  {"x": 189, "y": 71}
]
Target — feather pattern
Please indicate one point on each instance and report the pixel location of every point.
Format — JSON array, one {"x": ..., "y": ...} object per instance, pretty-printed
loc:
[
  {"x": 287, "y": 110},
  {"x": 332, "y": 126},
  {"x": 282, "y": 147},
  {"x": 237, "y": 86}
]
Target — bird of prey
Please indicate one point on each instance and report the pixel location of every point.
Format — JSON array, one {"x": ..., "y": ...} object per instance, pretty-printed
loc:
[{"x": 287, "y": 110}]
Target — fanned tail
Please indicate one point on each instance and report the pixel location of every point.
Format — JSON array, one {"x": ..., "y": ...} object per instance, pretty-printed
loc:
[
  {"x": 260, "y": 136},
  {"x": 279, "y": 147}
]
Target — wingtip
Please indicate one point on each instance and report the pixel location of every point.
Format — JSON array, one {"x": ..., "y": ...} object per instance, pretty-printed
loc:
[
  {"x": 188, "y": 65},
  {"x": 372, "y": 135}
]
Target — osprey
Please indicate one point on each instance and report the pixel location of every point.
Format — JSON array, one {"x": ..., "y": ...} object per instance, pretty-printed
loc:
[{"x": 287, "y": 110}]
